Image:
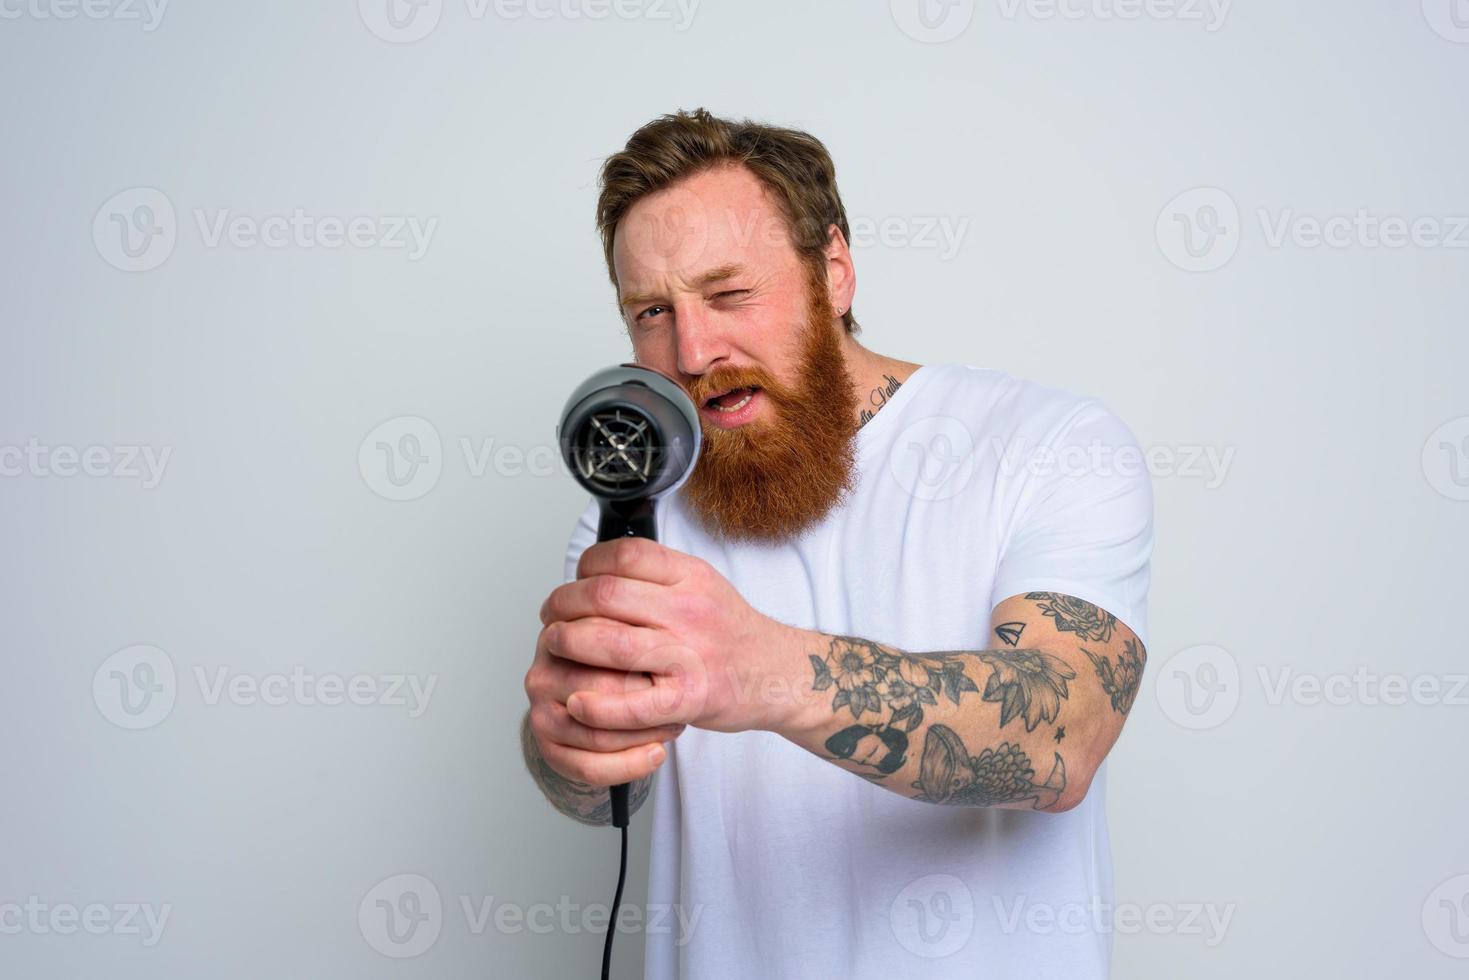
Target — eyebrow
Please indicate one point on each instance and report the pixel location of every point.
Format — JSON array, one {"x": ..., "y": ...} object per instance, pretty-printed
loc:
[{"x": 717, "y": 274}]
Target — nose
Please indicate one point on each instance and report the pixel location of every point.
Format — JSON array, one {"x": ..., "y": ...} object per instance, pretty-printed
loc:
[{"x": 701, "y": 344}]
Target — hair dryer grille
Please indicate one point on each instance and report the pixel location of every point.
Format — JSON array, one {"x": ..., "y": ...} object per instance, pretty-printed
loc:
[
  {"x": 629, "y": 433},
  {"x": 615, "y": 449}
]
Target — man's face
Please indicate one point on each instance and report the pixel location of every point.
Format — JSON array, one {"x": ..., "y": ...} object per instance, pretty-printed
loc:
[{"x": 716, "y": 297}]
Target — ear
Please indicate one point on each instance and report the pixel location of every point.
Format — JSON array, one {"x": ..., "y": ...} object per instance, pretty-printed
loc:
[{"x": 841, "y": 277}]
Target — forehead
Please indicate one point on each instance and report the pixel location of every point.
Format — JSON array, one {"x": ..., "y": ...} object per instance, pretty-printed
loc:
[{"x": 713, "y": 219}]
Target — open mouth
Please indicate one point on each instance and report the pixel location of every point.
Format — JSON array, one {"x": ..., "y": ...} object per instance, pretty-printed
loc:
[{"x": 732, "y": 400}]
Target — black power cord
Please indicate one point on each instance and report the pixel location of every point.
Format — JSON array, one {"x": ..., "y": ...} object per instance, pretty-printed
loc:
[
  {"x": 618, "y": 796},
  {"x": 616, "y": 901}
]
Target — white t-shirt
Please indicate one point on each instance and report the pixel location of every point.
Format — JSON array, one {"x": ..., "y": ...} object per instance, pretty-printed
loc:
[{"x": 974, "y": 486}]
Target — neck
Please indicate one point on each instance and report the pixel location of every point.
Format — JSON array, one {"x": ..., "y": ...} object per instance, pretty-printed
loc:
[{"x": 875, "y": 377}]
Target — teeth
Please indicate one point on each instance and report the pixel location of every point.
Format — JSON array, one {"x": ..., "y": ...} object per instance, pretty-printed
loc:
[{"x": 736, "y": 406}]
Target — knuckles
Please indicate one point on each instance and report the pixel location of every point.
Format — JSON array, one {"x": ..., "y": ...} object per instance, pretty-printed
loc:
[
  {"x": 605, "y": 590},
  {"x": 627, "y": 552}
]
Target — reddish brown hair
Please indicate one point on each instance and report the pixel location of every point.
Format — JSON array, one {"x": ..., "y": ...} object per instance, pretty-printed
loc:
[{"x": 792, "y": 165}]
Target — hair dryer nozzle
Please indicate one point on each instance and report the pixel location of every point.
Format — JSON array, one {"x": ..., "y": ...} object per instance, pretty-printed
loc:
[{"x": 629, "y": 433}]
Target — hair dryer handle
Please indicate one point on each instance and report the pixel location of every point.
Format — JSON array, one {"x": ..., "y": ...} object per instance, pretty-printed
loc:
[{"x": 625, "y": 519}]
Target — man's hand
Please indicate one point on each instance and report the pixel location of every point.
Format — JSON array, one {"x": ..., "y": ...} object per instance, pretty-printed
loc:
[
  {"x": 578, "y": 752},
  {"x": 665, "y": 639}
]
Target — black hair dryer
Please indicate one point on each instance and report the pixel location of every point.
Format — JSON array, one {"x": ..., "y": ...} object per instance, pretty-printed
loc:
[{"x": 630, "y": 435}]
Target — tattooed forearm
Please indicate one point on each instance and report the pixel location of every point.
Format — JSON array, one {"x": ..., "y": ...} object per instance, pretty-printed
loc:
[
  {"x": 580, "y": 801},
  {"x": 1015, "y": 706},
  {"x": 879, "y": 398},
  {"x": 1073, "y": 615},
  {"x": 948, "y": 774},
  {"x": 894, "y": 686},
  {"x": 1120, "y": 681},
  {"x": 1028, "y": 683}
]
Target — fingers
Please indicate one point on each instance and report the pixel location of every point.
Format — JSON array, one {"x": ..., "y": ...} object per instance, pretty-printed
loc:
[
  {"x": 637, "y": 558},
  {"x": 661, "y": 704},
  {"x": 596, "y": 641},
  {"x": 627, "y": 600},
  {"x": 557, "y": 676},
  {"x": 551, "y": 722},
  {"x": 604, "y": 768}
]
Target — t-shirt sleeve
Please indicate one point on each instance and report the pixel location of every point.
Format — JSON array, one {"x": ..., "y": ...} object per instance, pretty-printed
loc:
[
  {"x": 1083, "y": 519},
  {"x": 583, "y": 536}
]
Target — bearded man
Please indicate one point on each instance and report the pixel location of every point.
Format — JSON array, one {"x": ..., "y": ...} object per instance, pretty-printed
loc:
[{"x": 890, "y": 630}]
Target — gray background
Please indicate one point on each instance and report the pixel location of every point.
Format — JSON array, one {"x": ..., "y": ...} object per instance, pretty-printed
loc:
[{"x": 1330, "y": 833}]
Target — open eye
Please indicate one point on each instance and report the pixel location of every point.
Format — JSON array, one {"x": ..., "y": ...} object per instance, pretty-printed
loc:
[{"x": 651, "y": 311}]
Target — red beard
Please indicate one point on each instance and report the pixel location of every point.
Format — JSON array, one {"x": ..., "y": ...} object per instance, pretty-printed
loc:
[{"x": 771, "y": 479}]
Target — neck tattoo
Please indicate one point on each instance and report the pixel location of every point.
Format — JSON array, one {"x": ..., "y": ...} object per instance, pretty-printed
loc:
[{"x": 879, "y": 398}]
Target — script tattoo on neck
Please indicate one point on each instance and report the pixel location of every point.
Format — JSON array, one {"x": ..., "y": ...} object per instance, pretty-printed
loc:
[{"x": 879, "y": 398}]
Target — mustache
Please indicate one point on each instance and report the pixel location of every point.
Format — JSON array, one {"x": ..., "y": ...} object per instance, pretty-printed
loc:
[{"x": 718, "y": 382}]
